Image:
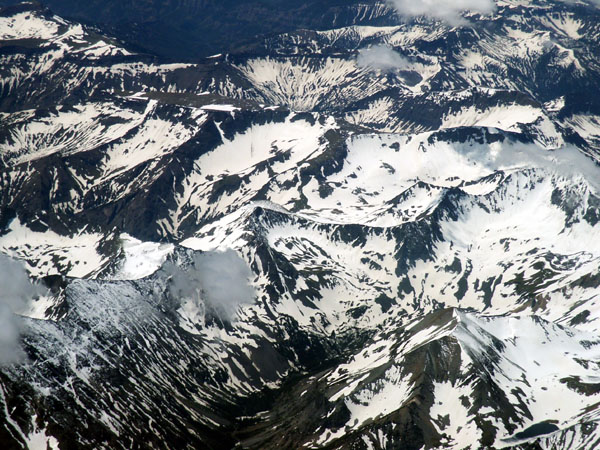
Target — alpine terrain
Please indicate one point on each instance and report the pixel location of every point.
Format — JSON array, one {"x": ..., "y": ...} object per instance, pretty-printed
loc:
[{"x": 361, "y": 225}]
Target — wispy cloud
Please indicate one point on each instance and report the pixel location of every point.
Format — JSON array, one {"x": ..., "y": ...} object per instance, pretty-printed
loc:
[
  {"x": 16, "y": 291},
  {"x": 219, "y": 279},
  {"x": 381, "y": 57},
  {"x": 446, "y": 10}
]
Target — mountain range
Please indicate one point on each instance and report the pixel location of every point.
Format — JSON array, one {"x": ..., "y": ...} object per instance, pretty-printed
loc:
[{"x": 352, "y": 229}]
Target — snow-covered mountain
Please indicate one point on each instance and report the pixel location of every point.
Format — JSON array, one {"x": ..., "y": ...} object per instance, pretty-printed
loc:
[{"x": 376, "y": 236}]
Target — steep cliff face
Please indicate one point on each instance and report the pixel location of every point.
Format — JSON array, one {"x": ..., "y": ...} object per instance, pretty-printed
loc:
[{"x": 297, "y": 245}]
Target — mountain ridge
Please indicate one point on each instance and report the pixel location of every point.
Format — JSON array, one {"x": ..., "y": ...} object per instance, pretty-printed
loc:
[{"x": 421, "y": 240}]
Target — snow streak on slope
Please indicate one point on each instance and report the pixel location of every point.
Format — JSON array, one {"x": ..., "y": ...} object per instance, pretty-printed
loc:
[
  {"x": 543, "y": 368},
  {"x": 48, "y": 253},
  {"x": 231, "y": 174},
  {"x": 389, "y": 179},
  {"x": 80, "y": 128},
  {"x": 89, "y": 154},
  {"x": 496, "y": 229},
  {"x": 456, "y": 366},
  {"x": 280, "y": 82}
]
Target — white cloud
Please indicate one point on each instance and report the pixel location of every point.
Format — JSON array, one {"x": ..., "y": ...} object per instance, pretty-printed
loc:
[
  {"x": 224, "y": 277},
  {"x": 447, "y": 10},
  {"x": 219, "y": 279},
  {"x": 381, "y": 57},
  {"x": 16, "y": 291}
]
